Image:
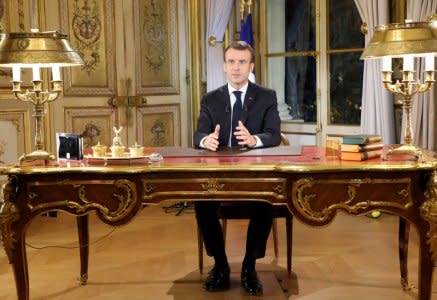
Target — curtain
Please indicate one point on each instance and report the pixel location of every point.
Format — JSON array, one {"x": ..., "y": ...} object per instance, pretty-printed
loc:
[
  {"x": 424, "y": 104},
  {"x": 218, "y": 13},
  {"x": 377, "y": 112}
]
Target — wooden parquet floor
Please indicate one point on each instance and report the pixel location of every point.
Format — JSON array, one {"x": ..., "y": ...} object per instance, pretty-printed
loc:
[{"x": 155, "y": 257}]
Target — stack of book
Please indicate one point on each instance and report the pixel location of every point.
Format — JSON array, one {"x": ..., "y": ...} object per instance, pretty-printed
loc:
[{"x": 361, "y": 147}]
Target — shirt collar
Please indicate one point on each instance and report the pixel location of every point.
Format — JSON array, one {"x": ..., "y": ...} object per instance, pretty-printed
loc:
[{"x": 243, "y": 90}]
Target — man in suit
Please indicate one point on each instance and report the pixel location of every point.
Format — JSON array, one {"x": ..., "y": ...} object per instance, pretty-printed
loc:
[{"x": 239, "y": 113}]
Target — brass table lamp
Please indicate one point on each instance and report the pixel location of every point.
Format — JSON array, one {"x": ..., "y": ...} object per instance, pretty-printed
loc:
[
  {"x": 409, "y": 40},
  {"x": 37, "y": 50}
]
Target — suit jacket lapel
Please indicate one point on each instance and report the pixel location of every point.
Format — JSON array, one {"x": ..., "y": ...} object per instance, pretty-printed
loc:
[
  {"x": 227, "y": 104},
  {"x": 249, "y": 99}
]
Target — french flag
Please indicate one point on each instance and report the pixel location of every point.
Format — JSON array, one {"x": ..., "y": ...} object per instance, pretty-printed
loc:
[{"x": 246, "y": 34}]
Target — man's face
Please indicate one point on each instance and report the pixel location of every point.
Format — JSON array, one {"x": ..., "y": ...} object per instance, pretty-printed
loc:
[{"x": 237, "y": 67}]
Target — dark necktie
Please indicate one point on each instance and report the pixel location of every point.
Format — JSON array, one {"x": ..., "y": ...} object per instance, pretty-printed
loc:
[{"x": 236, "y": 116}]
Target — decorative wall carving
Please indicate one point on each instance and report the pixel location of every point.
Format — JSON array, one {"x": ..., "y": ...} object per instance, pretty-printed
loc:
[
  {"x": 94, "y": 123},
  {"x": 89, "y": 24},
  {"x": 156, "y": 48},
  {"x": 158, "y": 125}
]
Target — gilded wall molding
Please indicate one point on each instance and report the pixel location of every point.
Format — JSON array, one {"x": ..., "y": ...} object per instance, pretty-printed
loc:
[
  {"x": 94, "y": 123},
  {"x": 90, "y": 27},
  {"x": 4, "y": 14},
  {"x": 159, "y": 125},
  {"x": 156, "y": 48},
  {"x": 20, "y": 120}
]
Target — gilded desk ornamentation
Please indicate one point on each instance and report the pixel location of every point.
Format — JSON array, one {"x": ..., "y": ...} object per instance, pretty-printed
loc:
[
  {"x": 9, "y": 214},
  {"x": 266, "y": 189},
  {"x": 124, "y": 192},
  {"x": 304, "y": 196},
  {"x": 313, "y": 191},
  {"x": 148, "y": 188},
  {"x": 428, "y": 210},
  {"x": 212, "y": 185}
]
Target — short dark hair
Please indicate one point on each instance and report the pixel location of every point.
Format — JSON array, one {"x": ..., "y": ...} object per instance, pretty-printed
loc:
[{"x": 240, "y": 45}]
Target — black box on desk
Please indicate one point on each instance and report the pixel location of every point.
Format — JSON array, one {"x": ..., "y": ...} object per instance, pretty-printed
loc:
[{"x": 69, "y": 146}]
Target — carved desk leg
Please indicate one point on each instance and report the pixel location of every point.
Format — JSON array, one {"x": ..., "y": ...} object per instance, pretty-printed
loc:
[
  {"x": 82, "y": 228},
  {"x": 19, "y": 265},
  {"x": 289, "y": 226},
  {"x": 404, "y": 233},
  {"x": 13, "y": 224},
  {"x": 428, "y": 238},
  {"x": 425, "y": 268}
]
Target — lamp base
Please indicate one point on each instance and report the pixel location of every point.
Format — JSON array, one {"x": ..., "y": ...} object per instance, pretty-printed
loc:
[
  {"x": 37, "y": 155},
  {"x": 406, "y": 150}
]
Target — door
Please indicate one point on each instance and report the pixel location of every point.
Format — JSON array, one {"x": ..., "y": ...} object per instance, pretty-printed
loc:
[{"x": 135, "y": 55}]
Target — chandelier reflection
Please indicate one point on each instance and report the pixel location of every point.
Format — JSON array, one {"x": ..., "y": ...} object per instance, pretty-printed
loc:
[{"x": 36, "y": 51}]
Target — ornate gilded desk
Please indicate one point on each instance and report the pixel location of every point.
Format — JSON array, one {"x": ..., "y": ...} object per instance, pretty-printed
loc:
[{"x": 313, "y": 186}]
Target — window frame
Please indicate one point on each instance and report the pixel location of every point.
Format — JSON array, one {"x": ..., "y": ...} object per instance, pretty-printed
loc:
[{"x": 309, "y": 132}]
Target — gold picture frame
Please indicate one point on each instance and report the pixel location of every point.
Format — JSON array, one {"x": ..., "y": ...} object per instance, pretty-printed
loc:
[
  {"x": 97, "y": 75},
  {"x": 156, "y": 49},
  {"x": 159, "y": 125}
]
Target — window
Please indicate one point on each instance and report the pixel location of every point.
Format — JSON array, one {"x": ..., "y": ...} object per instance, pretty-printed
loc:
[
  {"x": 300, "y": 67},
  {"x": 346, "y": 42},
  {"x": 313, "y": 62}
]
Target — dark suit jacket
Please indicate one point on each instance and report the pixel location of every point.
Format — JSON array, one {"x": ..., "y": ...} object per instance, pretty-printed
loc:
[{"x": 260, "y": 115}]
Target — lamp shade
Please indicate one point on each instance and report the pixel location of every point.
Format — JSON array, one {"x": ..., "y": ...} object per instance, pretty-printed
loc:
[
  {"x": 45, "y": 49},
  {"x": 400, "y": 39}
]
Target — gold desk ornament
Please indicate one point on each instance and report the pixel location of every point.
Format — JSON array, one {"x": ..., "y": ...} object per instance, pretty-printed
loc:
[
  {"x": 117, "y": 148},
  {"x": 99, "y": 150},
  {"x": 136, "y": 150}
]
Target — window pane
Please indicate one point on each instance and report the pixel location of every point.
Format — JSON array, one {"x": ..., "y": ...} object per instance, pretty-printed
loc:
[
  {"x": 346, "y": 78},
  {"x": 276, "y": 26},
  {"x": 344, "y": 25},
  {"x": 300, "y": 25},
  {"x": 301, "y": 88},
  {"x": 291, "y": 25}
]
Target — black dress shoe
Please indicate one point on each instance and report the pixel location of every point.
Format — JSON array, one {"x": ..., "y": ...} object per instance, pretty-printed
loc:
[
  {"x": 218, "y": 279},
  {"x": 250, "y": 282}
]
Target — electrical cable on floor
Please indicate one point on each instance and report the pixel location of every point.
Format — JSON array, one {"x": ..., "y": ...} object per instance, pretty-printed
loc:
[
  {"x": 73, "y": 247},
  {"x": 180, "y": 207}
]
